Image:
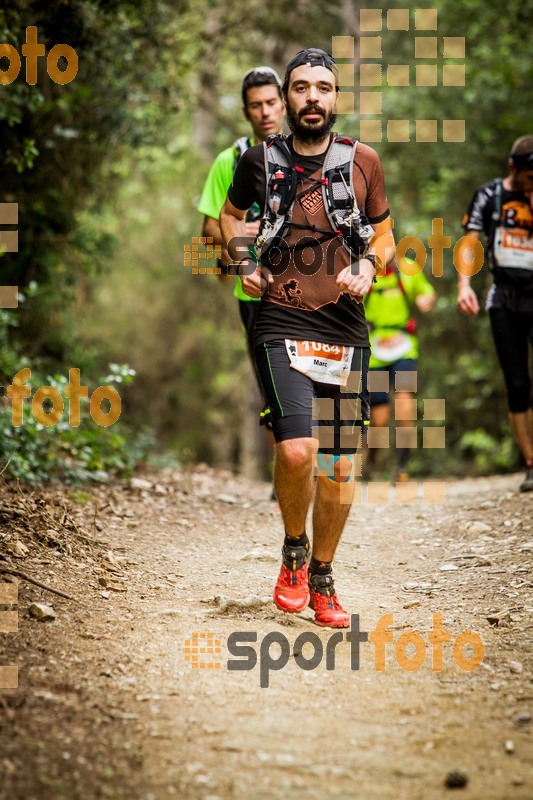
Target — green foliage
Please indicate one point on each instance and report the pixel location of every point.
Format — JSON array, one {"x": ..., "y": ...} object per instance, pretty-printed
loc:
[
  {"x": 487, "y": 451},
  {"x": 33, "y": 452},
  {"x": 427, "y": 180},
  {"x": 54, "y": 139},
  {"x": 107, "y": 172}
]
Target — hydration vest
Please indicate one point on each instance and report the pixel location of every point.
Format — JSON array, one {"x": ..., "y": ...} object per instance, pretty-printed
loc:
[
  {"x": 240, "y": 146},
  {"x": 347, "y": 221}
]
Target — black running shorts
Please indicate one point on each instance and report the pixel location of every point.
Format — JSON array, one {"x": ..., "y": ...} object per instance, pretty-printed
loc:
[
  {"x": 297, "y": 402},
  {"x": 512, "y": 332}
]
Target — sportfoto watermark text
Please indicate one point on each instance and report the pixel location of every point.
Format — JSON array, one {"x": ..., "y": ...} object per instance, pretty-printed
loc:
[
  {"x": 410, "y": 649},
  {"x": 74, "y": 391}
]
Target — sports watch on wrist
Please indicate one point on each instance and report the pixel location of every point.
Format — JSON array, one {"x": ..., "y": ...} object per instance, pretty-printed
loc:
[
  {"x": 376, "y": 261},
  {"x": 243, "y": 272}
]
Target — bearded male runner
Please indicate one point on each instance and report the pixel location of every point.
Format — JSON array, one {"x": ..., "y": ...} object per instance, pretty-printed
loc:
[{"x": 311, "y": 340}]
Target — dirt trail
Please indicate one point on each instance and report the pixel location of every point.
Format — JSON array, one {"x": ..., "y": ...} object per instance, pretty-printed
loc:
[{"x": 108, "y": 705}]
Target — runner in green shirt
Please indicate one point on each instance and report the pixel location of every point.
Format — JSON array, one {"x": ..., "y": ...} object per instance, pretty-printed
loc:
[
  {"x": 394, "y": 343},
  {"x": 264, "y": 110},
  {"x": 262, "y": 106}
]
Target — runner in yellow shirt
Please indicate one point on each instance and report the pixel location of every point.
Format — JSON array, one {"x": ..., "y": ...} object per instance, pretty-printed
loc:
[{"x": 394, "y": 344}]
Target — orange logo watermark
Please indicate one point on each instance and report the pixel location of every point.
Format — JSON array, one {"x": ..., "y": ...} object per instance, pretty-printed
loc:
[
  {"x": 9, "y": 243},
  {"x": 438, "y": 61},
  {"x": 410, "y": 649},
  {"x": 9, "y": 673},
  {"x": 192, "y": 254},
  {"x": 468, "y": 254},
  {"x": 74, "y": 391},
  {"x": 407, "y": 436},
  {"x": 32, "y": 50},
  {"x": 201, "y": 649}
]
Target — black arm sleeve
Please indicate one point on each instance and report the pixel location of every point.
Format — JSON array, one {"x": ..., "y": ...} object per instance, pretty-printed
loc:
[
  {"x": 479, "y": 214},
  {"x": 248, "y": 185}
]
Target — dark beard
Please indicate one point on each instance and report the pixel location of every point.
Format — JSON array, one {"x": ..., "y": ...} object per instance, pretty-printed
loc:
[{"x": 307, "y": 134}]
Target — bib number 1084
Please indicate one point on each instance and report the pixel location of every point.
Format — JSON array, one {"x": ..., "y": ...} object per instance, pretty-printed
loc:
[{"x": 305, "y": 348}]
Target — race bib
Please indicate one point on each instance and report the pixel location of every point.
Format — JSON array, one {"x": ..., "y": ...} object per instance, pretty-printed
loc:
[
  {"x": 513, "y": 248},
  {"x": 391, "y": 347},
  {"x": 325, "y": 363}
]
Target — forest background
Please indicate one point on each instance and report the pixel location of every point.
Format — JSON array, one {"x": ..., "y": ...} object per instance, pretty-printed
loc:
[{"x": 107, "y": 172}]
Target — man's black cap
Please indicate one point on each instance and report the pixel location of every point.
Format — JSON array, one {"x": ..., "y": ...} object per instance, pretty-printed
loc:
[
  {"x": 523, "y": 161},
  {"x": 521, "y": 154},
  {"x": 312, "y": 57}
]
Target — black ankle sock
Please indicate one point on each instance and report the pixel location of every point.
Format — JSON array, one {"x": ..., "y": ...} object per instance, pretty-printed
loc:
[
  {"x": 297, "y": 541},
  {"x": 292, "y": 557},
  {"x": 319, "y": 567}
]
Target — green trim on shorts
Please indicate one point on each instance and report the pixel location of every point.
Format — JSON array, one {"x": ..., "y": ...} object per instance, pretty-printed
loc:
[
  {"x": 273, "y": 381},
  {"x": 355, "y": 425}
]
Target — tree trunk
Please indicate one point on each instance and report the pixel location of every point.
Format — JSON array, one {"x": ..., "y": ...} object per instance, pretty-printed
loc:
[
  {"x": 255, "y": 449},
  {"x": 207, "y": 86}
]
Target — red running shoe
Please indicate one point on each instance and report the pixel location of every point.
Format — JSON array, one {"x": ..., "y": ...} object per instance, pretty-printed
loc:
[
  {"x": 325, "y": 603},
  {"x": 291, "y": 592}
]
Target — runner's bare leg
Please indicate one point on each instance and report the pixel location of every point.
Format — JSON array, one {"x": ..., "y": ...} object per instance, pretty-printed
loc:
[
  {"x": 330, "y": 512},
  {"x": 523, "y": 432},
  {"x": 293, "y": 481}
]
